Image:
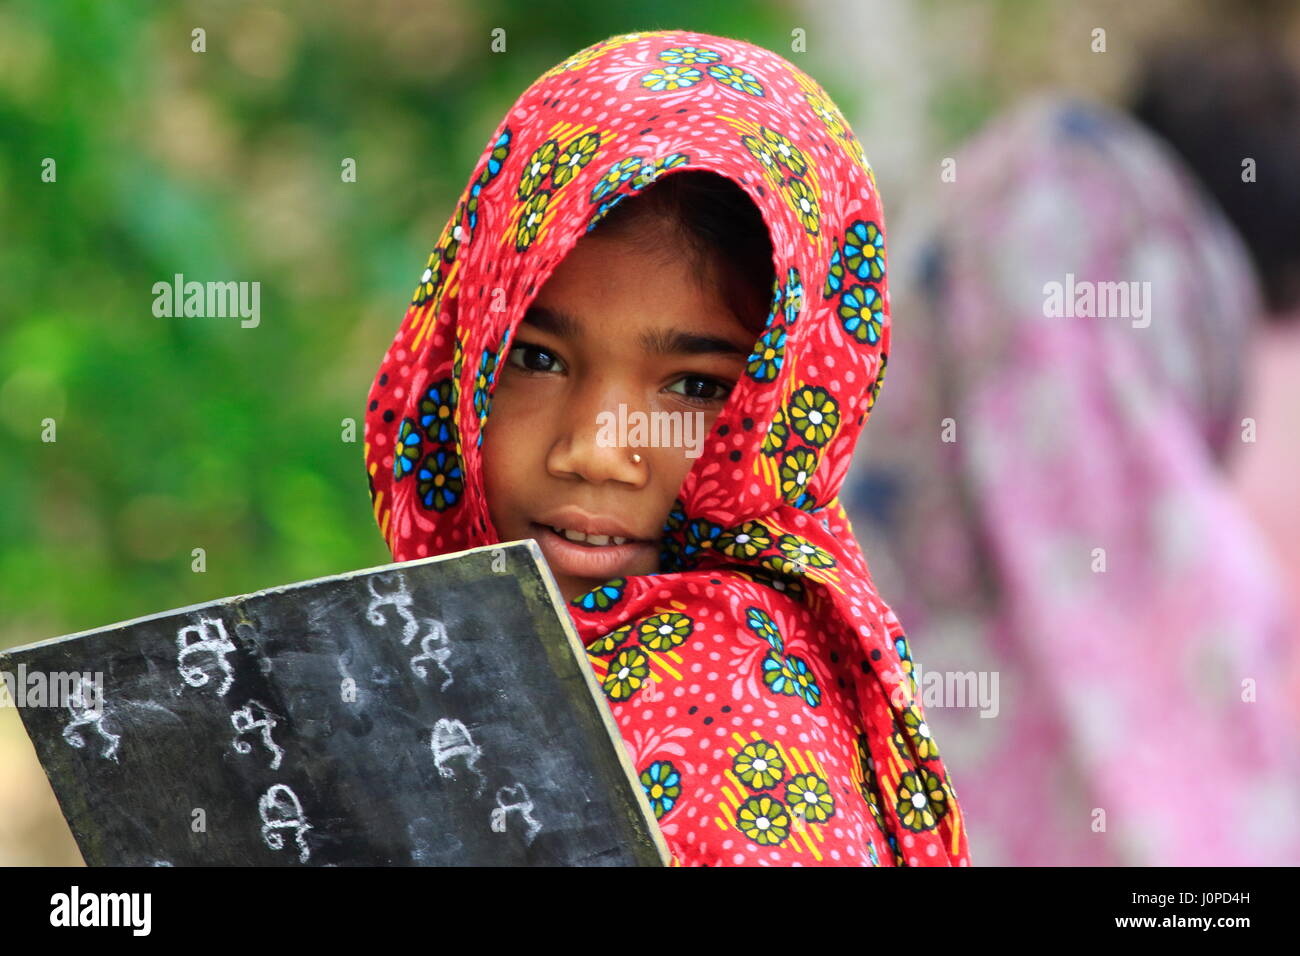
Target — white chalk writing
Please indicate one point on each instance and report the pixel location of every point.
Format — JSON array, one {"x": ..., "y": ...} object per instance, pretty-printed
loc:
[
  {"x": 280, "y": 810},
  {"x": 254, "y": 716},
  {"x": 209, "y": 636},
  {"x": 400, "y": 600},
  {"x": 434, "y": 647},
  {"x": 89, "y": 714},
  {"x": 522, "y": 805},
  {"x": 450, "y": 739}
]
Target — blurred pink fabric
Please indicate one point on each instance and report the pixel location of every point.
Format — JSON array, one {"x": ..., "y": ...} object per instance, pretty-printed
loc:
[
  {"x": 1154, "y": 698},
  {"x": 1264, "y": 474}
]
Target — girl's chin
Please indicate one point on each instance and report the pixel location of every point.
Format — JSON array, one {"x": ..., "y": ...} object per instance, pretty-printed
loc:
[
  {"x": 572, "y": 592},
  {"x": 572, "y": 587}
]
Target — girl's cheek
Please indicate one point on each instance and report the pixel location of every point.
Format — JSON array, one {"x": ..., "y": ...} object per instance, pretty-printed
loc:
[
  {"x": 516, "y": 424},
  {"x": 516, "y": 399}
]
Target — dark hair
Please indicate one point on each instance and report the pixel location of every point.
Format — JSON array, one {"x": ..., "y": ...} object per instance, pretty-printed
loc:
[
  {"x": 1218, "y": 105},
  {"x": 719, "y": 226}
]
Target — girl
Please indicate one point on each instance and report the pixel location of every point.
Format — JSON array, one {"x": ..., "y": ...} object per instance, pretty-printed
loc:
[{"x": 763, "y": 689}]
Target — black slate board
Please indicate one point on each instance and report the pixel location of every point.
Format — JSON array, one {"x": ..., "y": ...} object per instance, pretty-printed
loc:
[{"x": 478, "y": 734}]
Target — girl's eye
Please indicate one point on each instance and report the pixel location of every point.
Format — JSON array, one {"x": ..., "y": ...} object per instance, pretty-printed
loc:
[
  {"x": 534, "y": 358},
  {"x": 701, "y": 390}
]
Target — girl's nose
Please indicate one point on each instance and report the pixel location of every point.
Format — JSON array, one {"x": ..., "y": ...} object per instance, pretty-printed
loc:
[{"x": 591, "y": 444}]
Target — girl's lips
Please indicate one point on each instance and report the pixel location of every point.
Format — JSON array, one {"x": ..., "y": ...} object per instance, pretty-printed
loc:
[{"x": 589, "y": 561}]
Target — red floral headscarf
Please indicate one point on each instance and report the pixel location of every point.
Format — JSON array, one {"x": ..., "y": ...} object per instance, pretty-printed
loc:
[{"x": 762, "y": 687}]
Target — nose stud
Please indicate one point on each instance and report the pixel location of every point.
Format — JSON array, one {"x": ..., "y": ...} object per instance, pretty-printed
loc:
[{"x": 636, "y": 458}]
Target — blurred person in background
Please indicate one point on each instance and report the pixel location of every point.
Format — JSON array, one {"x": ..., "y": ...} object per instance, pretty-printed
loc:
[
  {"x": 1047, "y": 493},
  {"x": 1249, "y": 109}
]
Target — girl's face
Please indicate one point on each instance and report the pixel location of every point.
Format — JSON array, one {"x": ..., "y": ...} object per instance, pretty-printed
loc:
[{"x": 612, "y": 326}]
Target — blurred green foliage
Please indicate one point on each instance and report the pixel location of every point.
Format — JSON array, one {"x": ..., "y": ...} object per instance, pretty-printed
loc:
[{"x": 183, "y": 433}]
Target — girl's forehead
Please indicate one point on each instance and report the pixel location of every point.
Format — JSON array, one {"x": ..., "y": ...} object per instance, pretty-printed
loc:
[
  {"x": 712, "y": 332},
  {"x": 609, "y": 284}
]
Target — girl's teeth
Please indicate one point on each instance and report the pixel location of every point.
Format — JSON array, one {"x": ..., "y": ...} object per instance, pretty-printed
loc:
[{"x": 598, "y": 540}]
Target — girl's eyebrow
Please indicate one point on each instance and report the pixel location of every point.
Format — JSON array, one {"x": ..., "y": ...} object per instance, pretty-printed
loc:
[
  {"x": 654, "y": 341},
  {"x": 560, "y": 324}
]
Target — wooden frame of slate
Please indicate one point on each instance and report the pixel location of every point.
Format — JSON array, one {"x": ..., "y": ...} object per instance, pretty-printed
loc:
[{"x": 431, "y": 712}]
